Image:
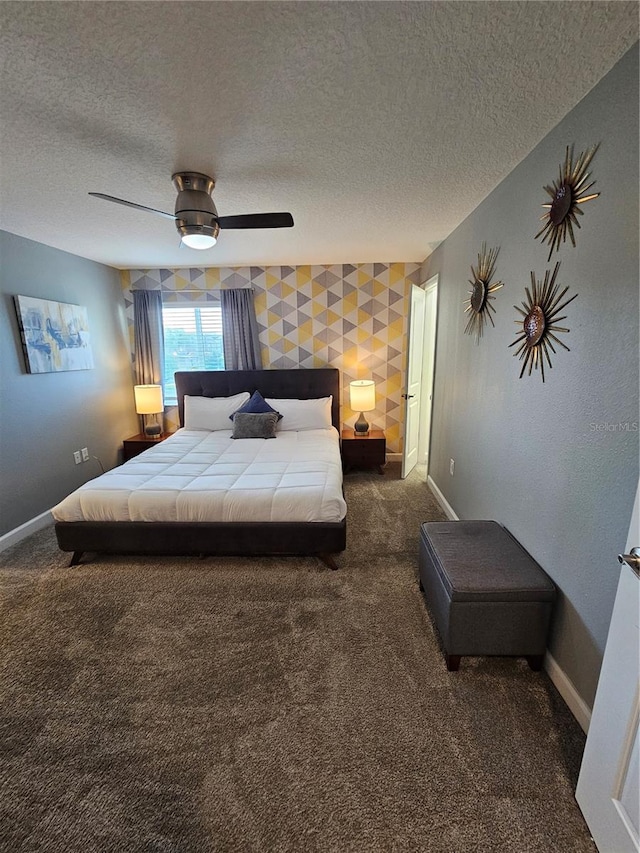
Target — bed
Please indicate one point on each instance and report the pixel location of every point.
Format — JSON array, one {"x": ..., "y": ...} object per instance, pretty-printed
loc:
[{"x": 176, "y": 524}]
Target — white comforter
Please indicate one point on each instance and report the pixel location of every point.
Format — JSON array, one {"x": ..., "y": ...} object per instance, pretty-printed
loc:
[{"x": 207, "y": 476}]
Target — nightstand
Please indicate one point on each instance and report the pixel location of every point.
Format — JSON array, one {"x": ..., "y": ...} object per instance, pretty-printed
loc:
[
  {"x": 137, "y": 443},
  {"x": 364, "y": 451}
]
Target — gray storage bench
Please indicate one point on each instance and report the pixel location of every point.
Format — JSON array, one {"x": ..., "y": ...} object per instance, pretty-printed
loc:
[{"x": 486, "y": 594}]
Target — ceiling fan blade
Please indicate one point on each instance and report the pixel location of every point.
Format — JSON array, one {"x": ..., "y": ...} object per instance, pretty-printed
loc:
[
  {"x": 257, "y": 220},
  {"x": 133, "y": 204}
]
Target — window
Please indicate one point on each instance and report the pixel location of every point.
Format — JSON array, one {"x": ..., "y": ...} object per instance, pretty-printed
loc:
[{"x": 192, "y": 341}]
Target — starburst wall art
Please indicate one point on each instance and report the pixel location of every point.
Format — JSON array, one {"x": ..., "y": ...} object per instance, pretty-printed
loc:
[
  {"x": 481, "y": 293},
  {"x": 544, "y": 304},
  {"x": 567, "y": 193}
]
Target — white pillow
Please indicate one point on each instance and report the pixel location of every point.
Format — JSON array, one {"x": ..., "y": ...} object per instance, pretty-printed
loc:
[
  {"x": 211, "y": 413},
  {"x": 303, "y": 414}
]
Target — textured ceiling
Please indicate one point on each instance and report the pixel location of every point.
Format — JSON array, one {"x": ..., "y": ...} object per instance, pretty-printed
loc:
[{"x": 379, "y": 125}]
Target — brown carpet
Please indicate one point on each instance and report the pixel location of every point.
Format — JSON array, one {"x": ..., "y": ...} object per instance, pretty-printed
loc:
[{"x": 269, "y": 704}]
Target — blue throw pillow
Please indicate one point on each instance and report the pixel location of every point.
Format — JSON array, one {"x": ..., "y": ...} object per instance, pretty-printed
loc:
[{"x": 255, "y": 405}]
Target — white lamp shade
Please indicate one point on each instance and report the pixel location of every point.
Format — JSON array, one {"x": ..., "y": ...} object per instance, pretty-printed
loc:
[
  {"x": 362, "y": 395},
  {"x": 148, "y": 399}
]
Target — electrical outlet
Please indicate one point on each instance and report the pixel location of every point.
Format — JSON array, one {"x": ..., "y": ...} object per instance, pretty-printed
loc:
[
  {"x": 85, "y": 454},
  {"x": 77, "y": 457},
  {"x": 452, "y": 465}
]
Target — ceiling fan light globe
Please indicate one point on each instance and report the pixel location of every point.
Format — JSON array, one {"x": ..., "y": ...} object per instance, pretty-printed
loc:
[{"x": 198, "y": 240}]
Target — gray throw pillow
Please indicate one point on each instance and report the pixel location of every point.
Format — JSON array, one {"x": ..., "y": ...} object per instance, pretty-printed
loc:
[{"x": 252, "y": 425}]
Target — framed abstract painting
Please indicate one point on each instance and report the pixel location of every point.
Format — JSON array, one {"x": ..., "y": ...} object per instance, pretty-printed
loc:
[{"x": 55, "y": 335}]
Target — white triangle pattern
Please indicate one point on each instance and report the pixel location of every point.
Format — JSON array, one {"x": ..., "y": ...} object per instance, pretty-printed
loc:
[{"x": 349, "y": 316}]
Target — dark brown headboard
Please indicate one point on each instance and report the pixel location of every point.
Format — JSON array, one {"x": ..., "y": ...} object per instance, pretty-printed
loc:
[{"x": 298, "y": 384}]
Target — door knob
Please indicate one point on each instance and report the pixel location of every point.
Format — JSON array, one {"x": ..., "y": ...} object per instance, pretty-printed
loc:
[
  {"x": 632, "y": 559},
  {"x": 408, "y": 396}
]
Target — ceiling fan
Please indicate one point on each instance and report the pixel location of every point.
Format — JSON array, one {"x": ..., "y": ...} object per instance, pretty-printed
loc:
[{"x": 196, "y": 216}]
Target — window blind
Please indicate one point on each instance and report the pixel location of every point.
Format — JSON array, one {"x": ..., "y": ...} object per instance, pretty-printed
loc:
[{"x": 192, "y": 341}]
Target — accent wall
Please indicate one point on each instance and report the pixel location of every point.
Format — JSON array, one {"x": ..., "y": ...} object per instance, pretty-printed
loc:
[{"x": 349, "y": 316}]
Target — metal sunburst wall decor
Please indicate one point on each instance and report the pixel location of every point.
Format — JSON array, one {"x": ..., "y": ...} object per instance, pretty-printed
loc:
[
  {"x": 481, "y": 293},
  {"x": 567, "y": 193},
  {"x": 540, "y": 314}
]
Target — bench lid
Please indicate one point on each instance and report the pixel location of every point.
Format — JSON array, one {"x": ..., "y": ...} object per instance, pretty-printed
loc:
[{"x": 481, "y": 561}]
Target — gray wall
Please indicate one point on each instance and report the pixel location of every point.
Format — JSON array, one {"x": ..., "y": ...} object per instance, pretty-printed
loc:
[
  {"x": 45, "y": 417},
  {"x": 527, "y": 454}
]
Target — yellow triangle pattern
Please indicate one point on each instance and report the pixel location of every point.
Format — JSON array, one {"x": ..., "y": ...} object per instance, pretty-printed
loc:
[{"x": 353, "y": 317}]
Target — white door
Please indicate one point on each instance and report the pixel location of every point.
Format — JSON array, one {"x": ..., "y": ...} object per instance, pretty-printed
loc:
[
  {"x": 608, "y": 789},
  {"x": 428, "y": 365},
  {"x": 414, "y": 380}
]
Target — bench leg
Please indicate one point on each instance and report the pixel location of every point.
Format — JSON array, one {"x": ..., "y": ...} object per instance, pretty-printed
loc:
[
  {"x": 453, "y": 662},
  {"x": 535, "y": 662}
]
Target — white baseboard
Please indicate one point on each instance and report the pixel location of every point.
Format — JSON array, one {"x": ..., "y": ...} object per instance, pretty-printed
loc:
[
  {"x": 19, "y": 533},
  {"x": 444, "y": 503},
  {"x": 394, "y": 457},
  {"x": 566, "y": 689}
]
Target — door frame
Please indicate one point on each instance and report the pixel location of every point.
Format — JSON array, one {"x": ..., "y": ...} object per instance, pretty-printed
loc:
[
  {"x": 414, "y": 371},
  {"x": 428, "y": 376}
]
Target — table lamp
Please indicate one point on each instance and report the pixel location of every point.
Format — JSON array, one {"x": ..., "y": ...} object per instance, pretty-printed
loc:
[
  {"x": 362, "y": 395},
  {"x": 149, "y": 402}
]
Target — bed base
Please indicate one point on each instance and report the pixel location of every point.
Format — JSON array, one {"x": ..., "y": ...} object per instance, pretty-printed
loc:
[{"x": 317, "y": 539}]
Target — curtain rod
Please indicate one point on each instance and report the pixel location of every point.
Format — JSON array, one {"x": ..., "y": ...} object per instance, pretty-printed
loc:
[{"x": 190, "y": 289}]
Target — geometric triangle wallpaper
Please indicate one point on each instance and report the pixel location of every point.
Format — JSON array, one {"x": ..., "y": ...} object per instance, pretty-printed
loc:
[{"x": 349, "y": 316}]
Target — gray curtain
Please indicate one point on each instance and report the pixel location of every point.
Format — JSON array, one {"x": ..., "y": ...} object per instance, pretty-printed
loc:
[
  {"x": 240, "y": 330},
  {"x": 148, "y": 337}
]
